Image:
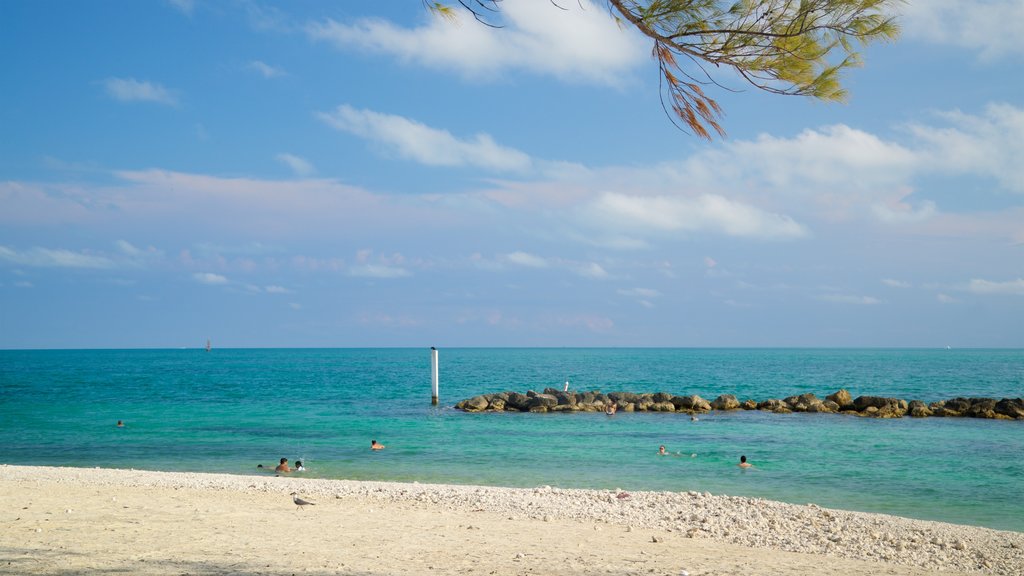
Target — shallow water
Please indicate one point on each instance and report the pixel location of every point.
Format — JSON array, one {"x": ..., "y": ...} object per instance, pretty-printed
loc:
[{"x": 227, "y": 410}]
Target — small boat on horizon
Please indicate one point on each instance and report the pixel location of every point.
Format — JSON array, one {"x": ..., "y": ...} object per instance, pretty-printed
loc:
[{"x": 207, "y": 344}]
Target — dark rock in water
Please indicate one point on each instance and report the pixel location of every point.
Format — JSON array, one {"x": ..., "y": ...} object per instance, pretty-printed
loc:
[
  {"x": 518, "y": 401},
  {"x": 553, "y": 400},
  {"x": 725, "y": 402},
  {"x": 804, "y": 403},
  {"x": 982, "y": 408},
  {"x": 545, "y": 400},
  {"x": 627, "y": 397},
  {"x": 918, "y": 409},
  {"x": 474, "y": 404},
  {"x": 565, "y": 398},
  {"x": 954, "y": 406},
  {"x": 682, "y": 403},
  {"x": 772, "y": 405},
  {"x": 880, "y": 407},
  {"x": 822, "y": 407},
  {"x": 1012, "y": 407},
  {"x": 842, "y": 398}
]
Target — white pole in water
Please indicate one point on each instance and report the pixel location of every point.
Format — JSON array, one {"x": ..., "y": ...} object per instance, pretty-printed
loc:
[{"x": 433, "y": 376}]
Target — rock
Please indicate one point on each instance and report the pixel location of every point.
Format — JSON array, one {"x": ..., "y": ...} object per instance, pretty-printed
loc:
[
  {"x": 725, "y": 402},
  {"x": 749, "y": 404},
  {"x": 624, "y": 397},
  {"x": 823, "y": 407},
  {"x": 1012, "y": 407},
  {"x": 565, "y": 399},
  {"x": 841, "y": 397},
  {"x": 881, "y": 407},
  {"x": 682, "y": 403},
  {"x": 700, "y": 404},
  {"x": 662, "y": 397},
  {"x": 918, "y": 409},
  {"x": 662, "y": 407},
  {"x": 474, "y": 404},
  {"x": 518, "y": 401},
  {"x": 982, "y": 408},
  {"x": 545, "y": 400}
]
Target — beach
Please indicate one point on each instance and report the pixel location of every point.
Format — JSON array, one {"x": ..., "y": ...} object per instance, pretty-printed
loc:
[{"x": 91, "y": 520}]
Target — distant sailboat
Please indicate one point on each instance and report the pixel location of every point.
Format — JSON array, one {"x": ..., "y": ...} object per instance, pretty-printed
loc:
[{"x": 207, "y": 344}]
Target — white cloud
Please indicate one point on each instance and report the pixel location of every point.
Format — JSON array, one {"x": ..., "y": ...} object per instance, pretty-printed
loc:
[
  {"x": 989, "y": 27},
  {"x": 895, "y": 283},
  {"x": 132, "y": 90},
  {"x": 592, "y": 270},
  {"x": 990, "y": 144},
  {"x": 640, "y": 292},
  {"x": 421, "y": 143},
  {"x": 577, "y": 42},
  {"x": 300, "y": 166},
  {"x": 945, "y": 299},
  {"x": 704, "y": 213},
  {"x": 378, "y": 271},
  {"x": 277, "y": 290},
  {"x": 266, "y": 70},
  {"x": 185, "y": 6},
  {"x": 898, "y": 212},
  {"x": 54, "y": 258},
  {"x": 850, "y": 299},
  {"x": 834, "y": 172},
  {"x": 209, "y": 278},
  {"x": 528, "y": 260},
  {"x": 1013, "y": 287}
]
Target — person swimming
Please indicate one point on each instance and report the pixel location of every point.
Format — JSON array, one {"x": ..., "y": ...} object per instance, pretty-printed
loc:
[
  {"x": 299, "y": 467},
  {"x": 375, "y": 446},
  {"x": 743, "y": 462},
  {"x": 283, "y": 466}
]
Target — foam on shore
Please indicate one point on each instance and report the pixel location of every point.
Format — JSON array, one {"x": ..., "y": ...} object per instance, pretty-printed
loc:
[{"x": 683, "y": 519}]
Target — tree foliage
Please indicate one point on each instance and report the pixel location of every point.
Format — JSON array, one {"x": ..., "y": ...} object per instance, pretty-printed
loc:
[{"x": 793, "y": 47}]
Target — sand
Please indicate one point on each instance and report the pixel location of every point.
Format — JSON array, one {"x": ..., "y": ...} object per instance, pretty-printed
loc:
[{"x": 64, "y": 521}]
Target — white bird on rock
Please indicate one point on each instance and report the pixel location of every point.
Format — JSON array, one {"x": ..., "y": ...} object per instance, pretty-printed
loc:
[{"x": 299, "y": 502}]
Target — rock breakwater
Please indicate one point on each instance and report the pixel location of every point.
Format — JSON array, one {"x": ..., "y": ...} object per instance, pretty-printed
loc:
[{"x": 841, "y": 402}]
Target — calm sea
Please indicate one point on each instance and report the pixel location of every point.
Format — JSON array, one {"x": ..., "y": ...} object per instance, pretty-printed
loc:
[{"x": 228, "y": 410}]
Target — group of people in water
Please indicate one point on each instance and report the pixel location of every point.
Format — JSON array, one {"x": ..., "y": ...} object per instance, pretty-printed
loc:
[
  {"x": 663, "y": 452},
  {"x": 285, "y": 468}
]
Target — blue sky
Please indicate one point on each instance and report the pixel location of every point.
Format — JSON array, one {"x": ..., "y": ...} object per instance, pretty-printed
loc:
[{"x": 324, "y": 173}]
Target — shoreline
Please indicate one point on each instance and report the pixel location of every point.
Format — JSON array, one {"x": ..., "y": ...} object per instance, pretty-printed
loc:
[{"x": 60, "y": 520}]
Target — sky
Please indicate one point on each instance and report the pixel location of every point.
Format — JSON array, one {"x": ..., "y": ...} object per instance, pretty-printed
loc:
[{"x": 364, "y": 174}]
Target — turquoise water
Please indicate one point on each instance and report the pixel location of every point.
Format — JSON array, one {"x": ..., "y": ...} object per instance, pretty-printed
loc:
[{"x": 227, "y": 410}]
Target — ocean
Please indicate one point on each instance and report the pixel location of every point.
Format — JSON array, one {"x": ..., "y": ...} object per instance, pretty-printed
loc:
[{"x": 228, "y": 410}]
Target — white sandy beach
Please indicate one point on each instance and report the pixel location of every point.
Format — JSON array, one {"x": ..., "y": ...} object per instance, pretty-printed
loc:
[{"x": 100, "y": 521}]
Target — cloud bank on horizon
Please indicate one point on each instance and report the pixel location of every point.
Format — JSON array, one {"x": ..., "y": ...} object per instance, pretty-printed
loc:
[{"x": 267, "y": 174}]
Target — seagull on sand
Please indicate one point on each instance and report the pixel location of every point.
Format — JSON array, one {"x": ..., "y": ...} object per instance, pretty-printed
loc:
[{"x": 299, "y": 502}]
